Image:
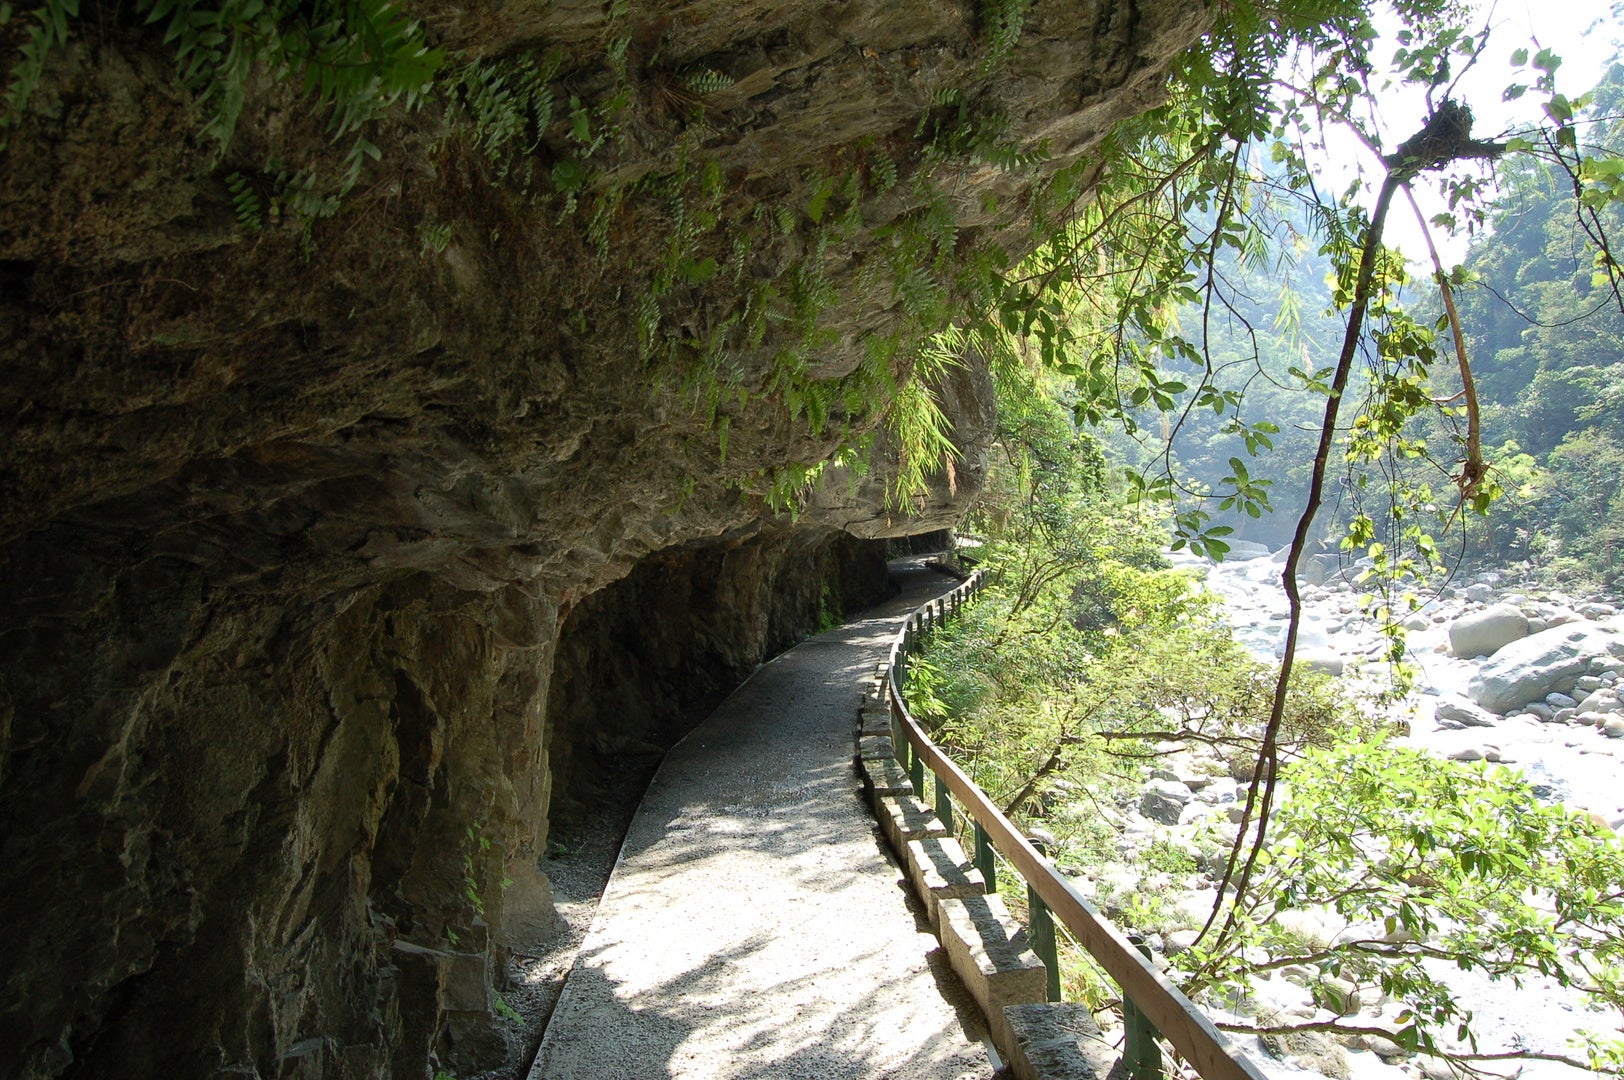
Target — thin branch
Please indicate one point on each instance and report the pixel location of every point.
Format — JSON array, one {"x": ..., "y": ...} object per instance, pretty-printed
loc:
[
  {"x": 1473, "y": 470},
  {"x": 1391, "y": 1035}
]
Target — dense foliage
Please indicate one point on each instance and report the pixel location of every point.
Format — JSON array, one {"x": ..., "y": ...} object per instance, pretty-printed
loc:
[
  {"x": 1089, "y": 662},
  {"x": 1423, "y": 867},
  {"x": 1547, "y": 339}
]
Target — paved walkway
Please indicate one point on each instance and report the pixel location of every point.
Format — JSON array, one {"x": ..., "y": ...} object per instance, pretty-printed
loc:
[{"x": 754, "y": 926}]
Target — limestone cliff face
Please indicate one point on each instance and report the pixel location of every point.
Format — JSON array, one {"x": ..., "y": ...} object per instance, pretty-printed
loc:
[{"x": 310, "y": 537}]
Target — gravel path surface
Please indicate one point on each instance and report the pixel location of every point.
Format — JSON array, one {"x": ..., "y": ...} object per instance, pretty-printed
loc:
[{"x": 754, "y": 925}]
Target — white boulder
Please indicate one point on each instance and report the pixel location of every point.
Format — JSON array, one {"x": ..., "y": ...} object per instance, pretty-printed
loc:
[
  {"x": 1482, "y": 633},
  {"x": 1458, "y": 710},
  {"x": 1527, "y": 669}
]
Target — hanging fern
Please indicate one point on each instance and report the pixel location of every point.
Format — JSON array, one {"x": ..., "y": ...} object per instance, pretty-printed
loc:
[
  {"x": 49, "y": 32},
  {"x": 705, "y": 81},
  {"x": 246, "y": 202},
  {"x": 510, "y": 102},
  {"x": 354, "y": 58},
  {"x": 1001, "y": 23}
]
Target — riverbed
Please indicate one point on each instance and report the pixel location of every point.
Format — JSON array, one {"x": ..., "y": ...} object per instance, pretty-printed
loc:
[
  {"x": 1571, "y": 765},
  {"x": 1575, "y": 765}
]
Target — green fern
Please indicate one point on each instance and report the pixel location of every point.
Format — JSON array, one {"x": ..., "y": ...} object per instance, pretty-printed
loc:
[
  {"x": 49, "y": 32},
  {"x": 705, "y": 81},
  {"x": 246, "y": 202},
  {"x": 434, "y": 238},
  {"x": 1001, "y": 23},
  {"x": 354, "y": 58},
  {"x": 510, "y": 103},
  {"x": 882, "y": 172},
  {"x": 919, "y": 429}
]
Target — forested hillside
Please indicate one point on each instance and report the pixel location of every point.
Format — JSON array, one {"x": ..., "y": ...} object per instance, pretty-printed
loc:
[
  {"x": 1544, "y": 327},
  {"x": 1546, "y": 331}
]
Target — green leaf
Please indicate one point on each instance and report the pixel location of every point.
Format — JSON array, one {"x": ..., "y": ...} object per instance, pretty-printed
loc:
[{"x": 698, "y": 271}]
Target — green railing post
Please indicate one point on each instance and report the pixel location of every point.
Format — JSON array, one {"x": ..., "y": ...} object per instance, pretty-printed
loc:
[
  {"x": 944, "y": 802},
  {"x": 985, "y": 861},
  {"x": 899, "y": 744},
  {"x": 1043, "y": 941},
  {"x": 916, "y": 773},
  {"x": 1143, "y": 1054}
]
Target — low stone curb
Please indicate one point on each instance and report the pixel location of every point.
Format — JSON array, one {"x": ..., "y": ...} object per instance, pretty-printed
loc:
[
  {"x": 940, "y": 871},
  {"x": 1057, "y": 1041},
  {"x": 989, "y": 952},
  {"x": 905, "y": 818},
  {"x": 986, "y": 948}
]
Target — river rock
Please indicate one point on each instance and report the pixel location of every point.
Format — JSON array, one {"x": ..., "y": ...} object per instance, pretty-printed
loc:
[
  {"x": 1164, "y": 800},
  {"x": 1313, "y": 1051},
  {"x": 1458, "y": 710},
  {"x": 1604, "y": 700},
  {"x": 1241, "y": 550},
  {"x": 1315, "y": 927},
  {"x": 1480, "y": 593},
  {"x": 1177, "y": 941},
  {"x": 1528, "y": 669},
  {"x": 1320, "y": 569},
  {"x": 1197, "y": 811},
  {"x": 1560, "y": 701},
  {"x": 1613, "y": 728},
  {"x": 1344, "y": 997},
  {"x": 1467, "y": 753},
  {"x": 1243, "y": 767},
  {"x": 1482, "y": 633},
  {"x": 1324, "y": 661}
]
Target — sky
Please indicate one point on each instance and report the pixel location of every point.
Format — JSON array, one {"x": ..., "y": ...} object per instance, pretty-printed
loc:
[{"x": 1586, "y": 34}]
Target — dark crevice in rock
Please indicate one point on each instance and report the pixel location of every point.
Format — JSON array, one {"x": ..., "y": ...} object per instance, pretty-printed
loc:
[{"x": 640, "y": 662}]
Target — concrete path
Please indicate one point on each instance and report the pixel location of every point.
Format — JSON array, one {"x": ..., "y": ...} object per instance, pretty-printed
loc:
[{"x": 754, "y": 925}]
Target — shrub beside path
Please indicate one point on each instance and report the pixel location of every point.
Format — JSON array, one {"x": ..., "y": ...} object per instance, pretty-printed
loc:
[{"x": 754, "y": 925}]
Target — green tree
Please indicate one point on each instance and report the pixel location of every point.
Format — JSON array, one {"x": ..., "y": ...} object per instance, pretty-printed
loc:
[{"x": 1423, "y": 866}]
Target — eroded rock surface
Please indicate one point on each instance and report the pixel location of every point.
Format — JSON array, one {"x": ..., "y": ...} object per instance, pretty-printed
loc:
[{"x": 304, "y": 534}]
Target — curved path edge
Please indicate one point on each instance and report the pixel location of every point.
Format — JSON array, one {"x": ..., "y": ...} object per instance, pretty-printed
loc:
[{"x": 754, "y": 924}]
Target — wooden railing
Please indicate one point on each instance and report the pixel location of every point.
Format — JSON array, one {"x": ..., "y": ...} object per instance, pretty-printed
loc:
[{"x": 1152, "y": 1006}]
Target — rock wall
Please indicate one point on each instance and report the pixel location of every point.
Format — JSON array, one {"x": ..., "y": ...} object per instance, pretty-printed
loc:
[
  {"x": 298, "y": 524},
  {"x": 641, "y": 660}
]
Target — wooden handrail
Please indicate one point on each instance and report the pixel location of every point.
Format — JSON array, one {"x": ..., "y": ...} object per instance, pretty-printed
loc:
[{"x": 1181, "y": 1023}]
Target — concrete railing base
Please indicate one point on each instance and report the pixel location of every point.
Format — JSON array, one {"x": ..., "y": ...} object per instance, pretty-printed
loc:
[
  {"x": 986, "y": 948},
  {"x": 1057, "y": 1040},
  {"x": 990, "y": 955},
  {"x": 905, "y": 818},
  {"x": 940, "y": 871}
]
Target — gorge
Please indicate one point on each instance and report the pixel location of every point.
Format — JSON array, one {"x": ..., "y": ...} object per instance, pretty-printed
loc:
[{"x": 336, "y": 541}]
